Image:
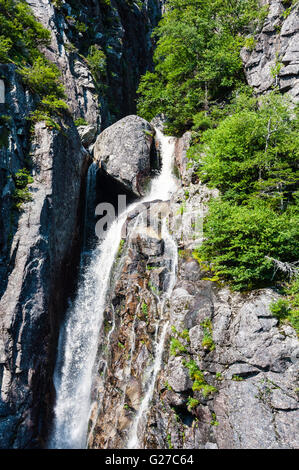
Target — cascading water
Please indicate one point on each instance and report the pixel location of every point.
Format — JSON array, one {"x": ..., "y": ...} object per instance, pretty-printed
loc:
[
  {"x": 78, "y": 341},
  {"x": 170, "y": 254}
]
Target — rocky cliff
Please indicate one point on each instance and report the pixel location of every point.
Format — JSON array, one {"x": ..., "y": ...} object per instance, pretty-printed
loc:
[
  {"x": 225, "y": 374},
  {"x": 228, "y": 371},
  {"x": 273, "y": 59}
]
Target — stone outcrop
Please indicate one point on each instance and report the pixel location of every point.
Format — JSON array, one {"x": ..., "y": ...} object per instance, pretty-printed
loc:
[
  {"x": 274, "y": 60},
  {"x": 125, "y": 151}
]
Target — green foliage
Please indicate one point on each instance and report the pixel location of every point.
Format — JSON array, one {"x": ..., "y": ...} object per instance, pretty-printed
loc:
[
  {"x": 21, "y": 37},
  {"x": 176, "y": 347},
  {"x": 219, "y": 376},
  {"x": 21, "y": 194},
  {"x": 207, "y": 341},
  {"x": 144, "y": 308},
  {"x": 250, "y": 43},
  {"x": 252, "y": 158},
  {"x": 170, "y": 446},
  {"x": 287, "y": 309},
  {"x": 97, "y": 62},
  {"x": 81, "y": 122},
  {"x": 20, "y": 34},
  {"x": 214, "y": 421},
  {"x": 239, "y": 239},
  {"x": 197, "y": 58},
  {"x": 4, "y": 130},
  {"x": 199, "y": 382},
  {"x": 192, "y": 403},
  {"x": 43, "y": 78},
  {"x": 237, "y": 378}
]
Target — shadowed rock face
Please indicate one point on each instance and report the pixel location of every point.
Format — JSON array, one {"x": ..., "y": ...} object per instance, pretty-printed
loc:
[
  {"x": 44, "y": 256},
  {"x": 123, "y": 151}
]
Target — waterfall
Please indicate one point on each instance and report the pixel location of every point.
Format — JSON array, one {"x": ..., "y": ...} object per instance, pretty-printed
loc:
[
  {"x": 78, "y": 340},
  {"x": 172, "y": 256}
]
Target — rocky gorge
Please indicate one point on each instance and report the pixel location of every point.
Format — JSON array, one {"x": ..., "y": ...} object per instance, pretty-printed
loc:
[{"x": 150, "y": 350}]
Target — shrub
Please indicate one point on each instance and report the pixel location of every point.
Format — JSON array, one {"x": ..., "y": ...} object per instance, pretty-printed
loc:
[
  {"x": 97, "y": 62},
  {"x": 192, "y": 403},
  {"x": 43, "y": 78},
  {"x": 287, "y": 309},
  {"x": 176, "y": 347},
  {"x": 197, "y": 59},
  {"x": 239, "y": 239},
  {"x": 21, "y": 194},
  {"x": 19, "y": 28},
  {"x": 80, "y": 122}
]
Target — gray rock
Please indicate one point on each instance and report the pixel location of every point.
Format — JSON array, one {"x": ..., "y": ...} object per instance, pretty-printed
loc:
[
  {"x": 277, "y": 42},
  {"x": 123, "y": 151},
  {"x": 87, "y": 134},
  {"x": 177, "y": 375},
  {"x": 44, "y": 254}
]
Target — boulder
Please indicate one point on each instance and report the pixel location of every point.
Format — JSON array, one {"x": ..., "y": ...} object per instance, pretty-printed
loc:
[{"x": 123, "y": 151}]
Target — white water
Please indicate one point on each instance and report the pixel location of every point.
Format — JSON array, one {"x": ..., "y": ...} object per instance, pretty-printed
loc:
[
  {"x": 78, "y": 341},
  {"x": 139, "y": 421}
]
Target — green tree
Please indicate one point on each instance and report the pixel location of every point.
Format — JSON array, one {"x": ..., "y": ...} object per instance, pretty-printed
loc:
[{"x": 197, "y": 58}]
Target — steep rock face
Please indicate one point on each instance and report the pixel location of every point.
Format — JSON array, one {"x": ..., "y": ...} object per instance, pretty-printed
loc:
[
  {"x": 274, "y": 60},
  {"x": 122, "y": 30},
  {"x": 41, "y": 264},
  {"x": 228, "y": 376},
  {"x": 123, "y": 151}
]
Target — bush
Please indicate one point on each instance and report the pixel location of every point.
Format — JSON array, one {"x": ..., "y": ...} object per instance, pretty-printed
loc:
[
  {"x": 97, "y": 62},
  {"x": 252, "y": 158},
  {"x": 21, "y": 195},
  {"x": 287, "y": 309},
  {"x": 19, "y": 28},
  {"x": 43, "y": 78},
  {"x": 253, "y": 151},
  {"x": 21, "y": 37},
  {"x": 238, "y": 240}
]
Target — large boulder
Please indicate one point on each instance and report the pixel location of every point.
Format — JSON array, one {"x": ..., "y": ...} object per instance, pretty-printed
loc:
[{"x": 124, "y": 151}]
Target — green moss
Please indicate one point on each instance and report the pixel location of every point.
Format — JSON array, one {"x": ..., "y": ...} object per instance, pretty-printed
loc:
[
  {"x": 192, "y": 403},
  {"x": 176, "y": 347},
  {"x": 170, "y": 446}
]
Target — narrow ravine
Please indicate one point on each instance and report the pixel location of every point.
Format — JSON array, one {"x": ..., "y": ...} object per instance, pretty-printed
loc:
[{"x": 78, "y": 342}]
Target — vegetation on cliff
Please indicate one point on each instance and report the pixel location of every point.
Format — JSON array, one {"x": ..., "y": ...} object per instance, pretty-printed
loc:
[
  {"x": 21, "y": 40},
  {"x": 245, "y": 146}
]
